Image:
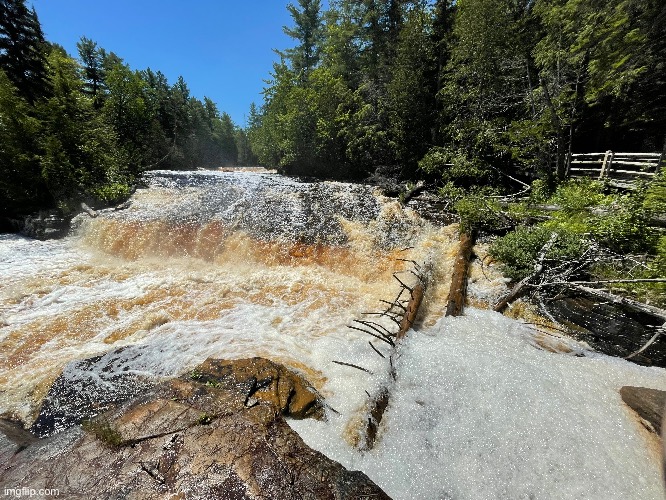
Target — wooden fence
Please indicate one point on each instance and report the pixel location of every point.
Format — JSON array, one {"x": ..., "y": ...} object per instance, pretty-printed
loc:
[{"x": 621, "y": 168}]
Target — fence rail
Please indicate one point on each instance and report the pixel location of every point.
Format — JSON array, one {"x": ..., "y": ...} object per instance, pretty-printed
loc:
[{"x": 622, "y": 168}]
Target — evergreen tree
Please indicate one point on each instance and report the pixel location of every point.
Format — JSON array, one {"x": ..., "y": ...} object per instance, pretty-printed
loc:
[
  {"x": 92, "y": 59},
  {"x": 307, "y": 30},
  {"x": 80, "y": 156},
  {"x": 22, "y": 49},
  {"x": 21, "y": 185},
  {"x": 412, "y": 89}
]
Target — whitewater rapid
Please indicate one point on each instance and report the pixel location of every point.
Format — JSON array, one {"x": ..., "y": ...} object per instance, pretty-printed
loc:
[{"x": 235, "y": 265}]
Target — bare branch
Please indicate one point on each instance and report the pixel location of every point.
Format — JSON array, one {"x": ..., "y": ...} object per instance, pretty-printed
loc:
[
  {"x": 353, "y": 366},
  {"x": 376, "y": 350},
  {"x": 382, "y": 338}
]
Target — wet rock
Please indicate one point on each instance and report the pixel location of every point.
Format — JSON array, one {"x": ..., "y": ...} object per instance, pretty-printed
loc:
[
  {"x": 45, "y": 225},
  {"x": 189, "y": 438},
  {"x": 85, "y": 389},
  {"x": 13, "y": 438},
  {"x": 613, "y": 329},
  {"x": 648, "y": 403},
  {"x": 262, "y": 380}
]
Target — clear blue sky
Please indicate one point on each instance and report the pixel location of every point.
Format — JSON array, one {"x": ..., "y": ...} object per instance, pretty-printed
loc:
[{"x": 222, "y": 48}]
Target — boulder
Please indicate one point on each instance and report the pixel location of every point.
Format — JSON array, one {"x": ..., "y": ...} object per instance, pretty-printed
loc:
[
  {"x": 216, "y": 432},
  {"x": 648, "y": 403},
  {"x": 262, "y": 380}
]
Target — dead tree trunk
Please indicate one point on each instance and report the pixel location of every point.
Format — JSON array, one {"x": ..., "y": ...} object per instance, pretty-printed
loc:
[
  {"x": 456, "y": 298},
  {"x": 379, "y": 403}
]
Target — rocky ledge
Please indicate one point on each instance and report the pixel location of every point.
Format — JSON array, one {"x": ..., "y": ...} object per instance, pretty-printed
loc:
[{"x": 216, "y": 432}]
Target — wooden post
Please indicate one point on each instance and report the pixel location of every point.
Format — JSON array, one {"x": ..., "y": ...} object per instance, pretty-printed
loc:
[
  {"x": 567, "y": 167},
  {"x": 609, "y": 165},
  {"x": 604, "y": 165}
]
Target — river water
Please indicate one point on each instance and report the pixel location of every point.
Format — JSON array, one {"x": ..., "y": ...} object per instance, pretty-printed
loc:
[{"x": 238, "y": 264}]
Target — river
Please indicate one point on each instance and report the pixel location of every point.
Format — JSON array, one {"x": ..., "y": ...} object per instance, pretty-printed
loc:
[{"x": 239, "y": 264}]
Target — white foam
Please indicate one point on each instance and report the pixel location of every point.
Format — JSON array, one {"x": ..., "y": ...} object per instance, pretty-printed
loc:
[{"x": 477, "y": 412}]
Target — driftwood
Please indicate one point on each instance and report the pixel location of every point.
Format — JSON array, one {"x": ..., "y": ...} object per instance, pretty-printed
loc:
[
  {"x": 420, "y": 186},
  {"x": 660, "y": 331},
  {"x": 92, "y": 213},
  {"x": 411, "y": 310},
  {"x": 456, "y": 299},
  {"x": 522, "y": 286}
]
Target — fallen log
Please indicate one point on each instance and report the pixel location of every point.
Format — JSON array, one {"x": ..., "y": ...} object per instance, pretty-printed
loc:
[
  {"x": 379, "y": 403},
  {"x": 624, "y": 301},
  {"x": 411, "y": 310},
  {"x": 456, "y": 299}
]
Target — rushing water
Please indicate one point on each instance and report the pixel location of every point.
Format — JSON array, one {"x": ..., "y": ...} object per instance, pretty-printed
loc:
[{"x": 236, "y": 265}]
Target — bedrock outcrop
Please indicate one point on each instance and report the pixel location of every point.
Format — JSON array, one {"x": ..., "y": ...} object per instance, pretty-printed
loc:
[{"x": 216, "y": 432}]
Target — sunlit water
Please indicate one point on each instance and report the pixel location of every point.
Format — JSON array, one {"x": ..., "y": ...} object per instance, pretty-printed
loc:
[{"x": 235, "y": 265}]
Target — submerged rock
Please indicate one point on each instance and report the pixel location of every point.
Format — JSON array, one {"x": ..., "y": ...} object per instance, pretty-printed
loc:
[
  {"x": 85, "y": 389},
  {"x": 216, "y": 432}
]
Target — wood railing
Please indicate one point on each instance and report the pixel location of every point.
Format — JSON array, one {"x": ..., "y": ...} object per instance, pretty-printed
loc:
[{"x": 623, "y": 168}]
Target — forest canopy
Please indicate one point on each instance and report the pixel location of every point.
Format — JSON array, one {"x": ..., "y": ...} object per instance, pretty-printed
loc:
[
  {"x": 465, "y": 90},
  {"x": 465, "y": 93},
  {"x": 84, "y": 128}
]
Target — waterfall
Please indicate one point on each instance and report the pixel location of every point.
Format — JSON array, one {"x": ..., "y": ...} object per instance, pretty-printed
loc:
[{"x": 233, "y": 265}]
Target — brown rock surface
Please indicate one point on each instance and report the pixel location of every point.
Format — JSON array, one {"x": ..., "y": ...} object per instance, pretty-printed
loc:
[
  {"x": 206, "y": 438},
  {"x": 648, "y": 403},
  {"x": 263, "y": 380}
]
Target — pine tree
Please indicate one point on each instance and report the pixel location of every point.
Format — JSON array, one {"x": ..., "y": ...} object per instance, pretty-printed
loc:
[
  {"x": 308, "y": 31},
  {"x": 92, "y": 59},
  {"x": 22, "y": 49}
]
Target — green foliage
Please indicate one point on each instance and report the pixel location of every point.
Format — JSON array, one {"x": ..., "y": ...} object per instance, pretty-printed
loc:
[
  {"x": 113, "y": 193},
  {"x": 540, "y": 191},
  {"x": 478, "y": 211},
  {"x": 655, "y": 196},
  {"x": 72, "y": 131},
  {"x": 619, "y": 222},
  {"x": 576, "y": 196},
  {"x": 454, "y": 166},
  {"x": 519, "y": 249},
  {"x": 23, "y": 50},
  {"x": 21, "y": 184},
  {"x": 307, "y": 30},
  {"x": 478, "y": 82},
  {"x": 624, "y": 227}
]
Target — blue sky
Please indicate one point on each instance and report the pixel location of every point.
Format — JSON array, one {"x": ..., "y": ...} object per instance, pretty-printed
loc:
[{"x": 222, "y": 48}]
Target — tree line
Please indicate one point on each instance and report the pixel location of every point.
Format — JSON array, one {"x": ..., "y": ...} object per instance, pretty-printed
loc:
[
  {"x": 85, "y": 128},
  {"x": 468, "y": 91}
]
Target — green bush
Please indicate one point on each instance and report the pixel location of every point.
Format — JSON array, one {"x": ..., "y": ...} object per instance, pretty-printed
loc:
[
  {"x": 455, "y": 166},
  {"x": 112, "y": 193},
  {"x": 578, "y": 195},
  {"x": 624, "y": 226},
  {"x": 519, "y": 249},
  {"x": 479, "y": 212}
]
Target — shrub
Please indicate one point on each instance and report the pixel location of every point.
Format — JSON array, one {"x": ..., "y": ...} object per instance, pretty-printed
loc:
[
  {"x": 477, "y": 211},
  {"x": 455, "y": 166},
  {"x": 112, "y": 193},
  {"x": 519, "y": 249}
]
